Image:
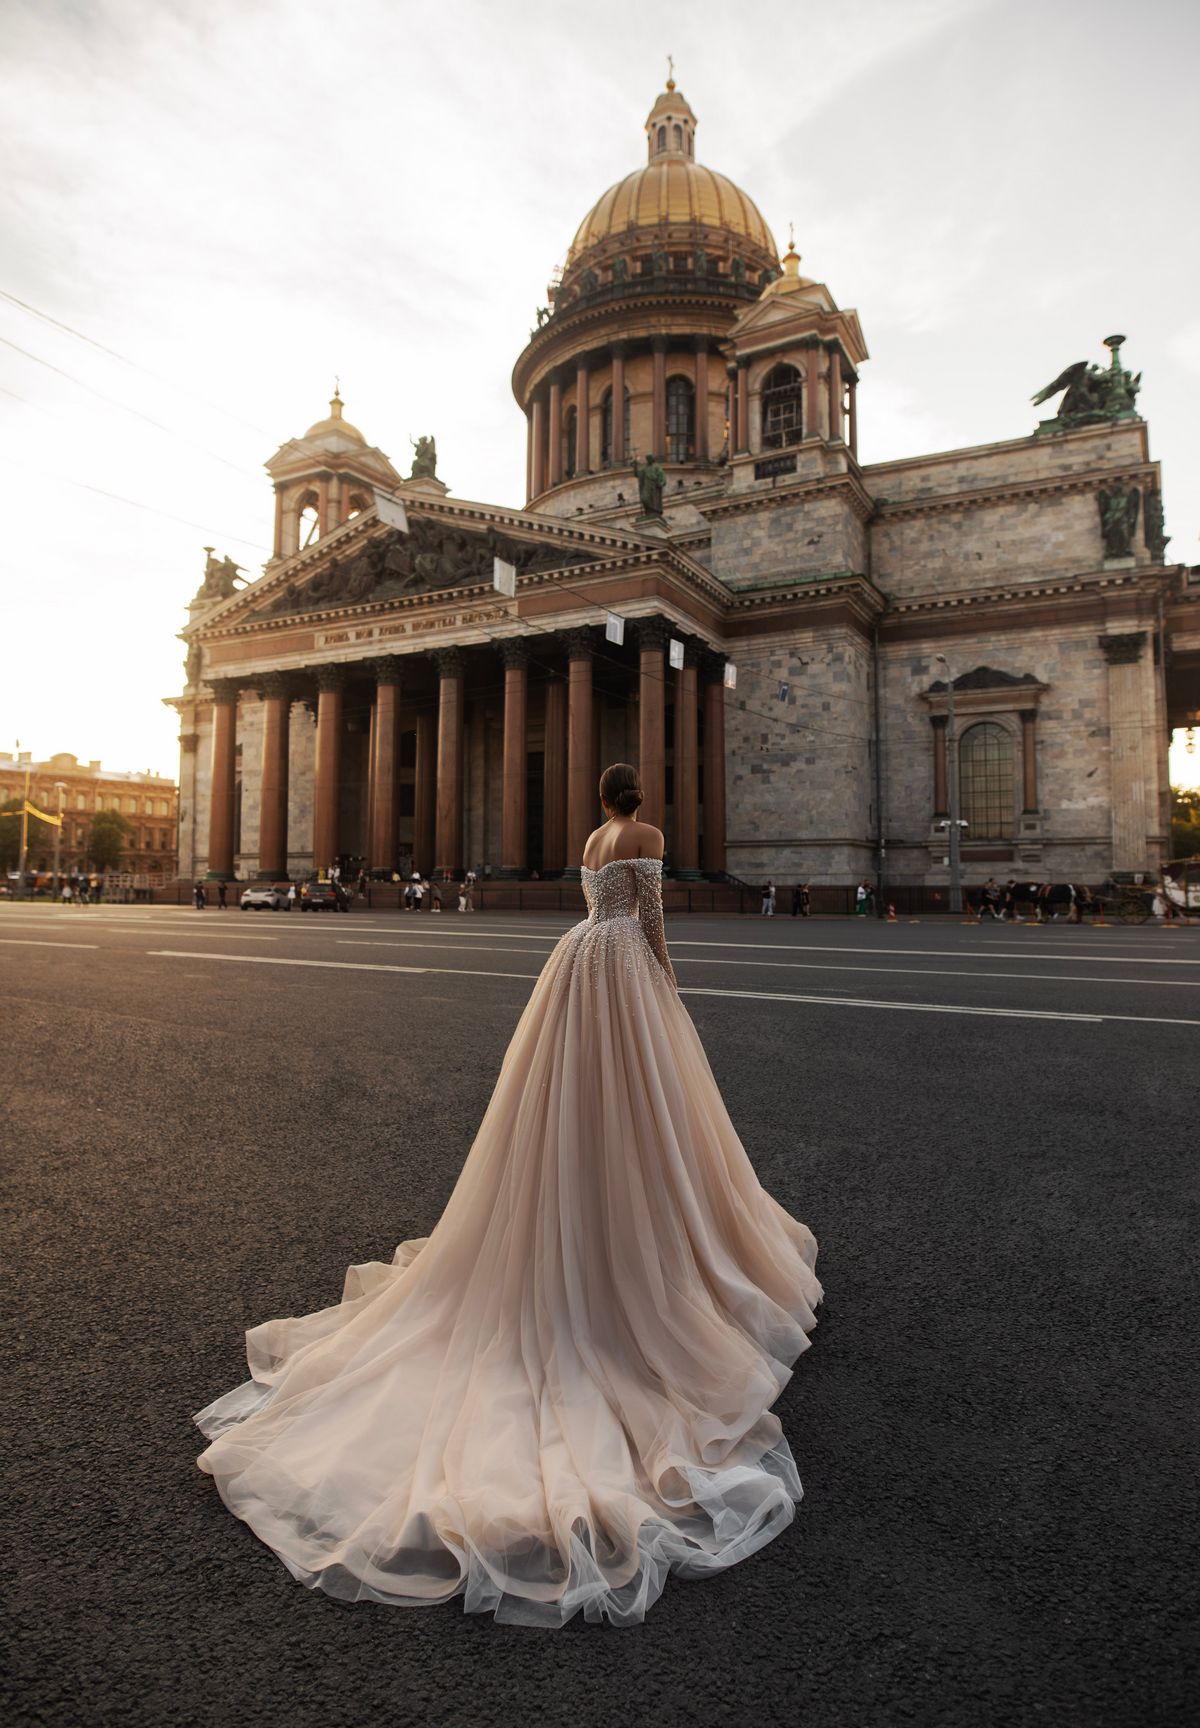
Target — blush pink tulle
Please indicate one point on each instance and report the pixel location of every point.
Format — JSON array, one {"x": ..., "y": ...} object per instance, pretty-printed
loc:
[{"x": 563, "y": 1394}]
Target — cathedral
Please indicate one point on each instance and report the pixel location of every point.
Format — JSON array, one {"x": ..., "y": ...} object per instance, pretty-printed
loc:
[{"x": 806, "y": 657}]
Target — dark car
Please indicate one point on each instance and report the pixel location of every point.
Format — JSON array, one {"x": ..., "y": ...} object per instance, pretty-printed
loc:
[{"x": 318, "y": 896}]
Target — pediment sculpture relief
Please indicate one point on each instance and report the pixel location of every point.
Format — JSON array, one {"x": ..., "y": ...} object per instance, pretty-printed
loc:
[{"x": 431, "y": 556}]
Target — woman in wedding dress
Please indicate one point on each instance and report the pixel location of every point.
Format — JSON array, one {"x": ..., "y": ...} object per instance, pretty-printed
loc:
[{"x": 562, "y": 1394}]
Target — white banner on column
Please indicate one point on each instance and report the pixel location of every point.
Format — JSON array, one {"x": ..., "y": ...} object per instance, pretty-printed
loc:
[
  {"x": 504, "y": 577},
  {"x": 391, "y": 511},
  {"x": 675, "y": 653},
  {"x": 614, "y": 628},
  {"x": 730, "y": 675}
]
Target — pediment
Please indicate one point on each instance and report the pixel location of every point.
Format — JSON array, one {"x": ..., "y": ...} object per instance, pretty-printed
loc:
[
  {"x": 365, "y": 563},
  {"x": 806, "y": 313}
]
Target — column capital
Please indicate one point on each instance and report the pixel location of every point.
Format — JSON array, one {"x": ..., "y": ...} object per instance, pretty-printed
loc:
[
  {"x": 580, "y": 643},
  {"x": 225, "y": 691},
  {"x": 693, "y": 651},
  {"x": 188, "y": 742},
  {"x": 712, "y": 666},
  {"x": 700, "y": 344},
  {"x": 1123, "y": 650},
  {"x": 388, "y": 669},
  {"x": 514, "y": 652},
  {"x": 939, "y": 721},
  {"x": 659, "y": 344},
  {"x": 618, "y": 350},
  {"x": 450, "y": 662},
  {"x": 330, "y": 677},
  {"x": 273, "y": 685},
  {"x": 731, "y": 370},
  {"x": 1029, "y": 716},
  {"x": 653, "y": 634}
]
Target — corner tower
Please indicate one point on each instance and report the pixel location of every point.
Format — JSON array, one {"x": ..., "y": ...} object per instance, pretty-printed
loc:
[
  {"x": 323, "y": 479},
  {"x": 626, "y": 360}
]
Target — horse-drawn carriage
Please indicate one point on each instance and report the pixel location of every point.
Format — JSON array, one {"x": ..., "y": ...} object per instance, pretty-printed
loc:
[{"x": 1133, "y": 897}]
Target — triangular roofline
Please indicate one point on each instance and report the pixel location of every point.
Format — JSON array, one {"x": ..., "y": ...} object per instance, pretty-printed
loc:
[{"x": 524, "y": 525}]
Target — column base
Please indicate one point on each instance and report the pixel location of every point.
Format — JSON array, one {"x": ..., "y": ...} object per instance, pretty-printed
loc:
[
  {"x": 686, "y": 875},
  {"x": 270, "y": 875},
  {"x": 572, "y": 873},
  {"x": 508, "y": 873},
  {"x": 220, "y": 876}
]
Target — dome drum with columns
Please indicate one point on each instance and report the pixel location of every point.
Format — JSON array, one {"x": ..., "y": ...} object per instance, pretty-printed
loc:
[{"x": 372, "y": 698}]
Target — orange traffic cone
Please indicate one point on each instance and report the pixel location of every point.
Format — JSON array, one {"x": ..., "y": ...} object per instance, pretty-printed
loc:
[{"x": 891, "y": 917}]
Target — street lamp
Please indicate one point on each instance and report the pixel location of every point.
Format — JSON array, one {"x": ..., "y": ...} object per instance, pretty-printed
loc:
[
  {"x": 60, "y": 786},
  {"x": 956, "y": 903}
]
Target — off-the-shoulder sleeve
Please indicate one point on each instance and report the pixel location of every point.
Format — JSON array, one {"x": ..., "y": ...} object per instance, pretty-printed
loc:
[{"x": 650, "y": 911}]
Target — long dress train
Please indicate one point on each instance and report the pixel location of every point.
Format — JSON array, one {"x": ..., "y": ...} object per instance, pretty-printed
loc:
[{"x": 564, "y": 1392}]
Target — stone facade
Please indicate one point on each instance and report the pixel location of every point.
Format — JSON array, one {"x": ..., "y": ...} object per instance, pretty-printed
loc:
[{"x": 841, "y": 597}]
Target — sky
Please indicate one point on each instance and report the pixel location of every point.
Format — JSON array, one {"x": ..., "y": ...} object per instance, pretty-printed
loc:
[{"x": 236, "y": 201}]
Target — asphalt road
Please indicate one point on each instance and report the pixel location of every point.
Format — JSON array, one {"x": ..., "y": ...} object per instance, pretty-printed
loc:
[{"x": 992, "y": 1131}]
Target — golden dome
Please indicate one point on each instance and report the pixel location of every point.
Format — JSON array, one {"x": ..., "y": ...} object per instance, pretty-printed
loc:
[
  {"x": 672, "y": 191},
  {"x": 334, "y": 426}
]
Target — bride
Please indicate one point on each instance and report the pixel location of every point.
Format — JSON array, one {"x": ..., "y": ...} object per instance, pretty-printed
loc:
[{"x": 564, "y": 1392}]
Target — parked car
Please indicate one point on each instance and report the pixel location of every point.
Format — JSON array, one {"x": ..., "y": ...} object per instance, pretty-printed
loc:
[
  {"x": 264, "y": 894},
  {"x": 318, "y": 896}
]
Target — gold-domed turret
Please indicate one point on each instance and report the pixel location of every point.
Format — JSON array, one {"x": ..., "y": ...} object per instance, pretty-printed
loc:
[{"x": 334, "y": 426}]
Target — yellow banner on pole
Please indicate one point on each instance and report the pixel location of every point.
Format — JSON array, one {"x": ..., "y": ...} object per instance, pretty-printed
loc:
[{"x": 32, "y": 810}]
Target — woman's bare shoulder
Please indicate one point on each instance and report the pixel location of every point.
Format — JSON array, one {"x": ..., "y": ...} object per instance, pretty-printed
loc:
[{"x": 651, "y": 842}]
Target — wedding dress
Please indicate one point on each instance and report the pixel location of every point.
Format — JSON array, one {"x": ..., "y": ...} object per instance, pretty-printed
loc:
[{"x": 564, "y": 1392}]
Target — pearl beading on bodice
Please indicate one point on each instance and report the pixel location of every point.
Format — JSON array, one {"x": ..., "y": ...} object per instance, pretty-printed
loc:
[{"x": 629, "y": 888}]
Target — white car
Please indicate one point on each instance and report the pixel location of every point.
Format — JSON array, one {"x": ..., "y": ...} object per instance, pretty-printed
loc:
[{"x": 264, "y": 895}]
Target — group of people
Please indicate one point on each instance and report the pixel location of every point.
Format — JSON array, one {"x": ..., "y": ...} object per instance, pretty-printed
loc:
[
  {"x": 801, "y": 900},
  {"x": 1045, "y": 900},
  {"x": 418, "y": 889},
  {"x": 82, "y": 890}
]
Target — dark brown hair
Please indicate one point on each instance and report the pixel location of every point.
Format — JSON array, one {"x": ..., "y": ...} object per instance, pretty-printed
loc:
[{"x": 621, "y": 788}]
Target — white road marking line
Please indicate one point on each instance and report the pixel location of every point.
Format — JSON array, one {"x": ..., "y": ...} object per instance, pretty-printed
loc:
[
  {"x": 279, "y": 960},
  {"x": 941, "y": 1007},
  {"x": 33, "y": 942},
  {"x": 939, "y": 953},
  {"x": 821, "y": 966},
  {"x": 686, "y": 990}
]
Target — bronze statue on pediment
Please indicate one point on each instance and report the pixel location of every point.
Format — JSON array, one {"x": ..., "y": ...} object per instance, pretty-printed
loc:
[{"x": 433, "y": 555}]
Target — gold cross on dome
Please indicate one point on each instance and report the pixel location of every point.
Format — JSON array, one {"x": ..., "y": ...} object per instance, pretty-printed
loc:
[{"x": 670, "y": 72}]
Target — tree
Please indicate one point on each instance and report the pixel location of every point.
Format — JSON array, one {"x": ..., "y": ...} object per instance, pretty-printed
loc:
[
  {"x": 106, "y": 841},
  {"x": 40, "y": 837},
  {"x": 1185, "y": 824}
]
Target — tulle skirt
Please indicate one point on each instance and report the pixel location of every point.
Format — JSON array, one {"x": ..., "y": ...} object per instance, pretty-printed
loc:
[{"x": 562, "y": 1394}]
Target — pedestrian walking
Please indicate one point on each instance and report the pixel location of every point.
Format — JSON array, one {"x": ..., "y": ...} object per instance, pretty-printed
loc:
[
  {"x": 469, "y": 892},
  {"x": 862, "y": 900},
  {"x": 435, "y": 896},
  {"x": 291, "y": 897},
  {"x": 200, "y": 896},
  {"x": 768, "y": 900},
  {"x": 65, "y": 896},
  {"x": 222, "y": 891},
  {"x": 462, "y": 895}
]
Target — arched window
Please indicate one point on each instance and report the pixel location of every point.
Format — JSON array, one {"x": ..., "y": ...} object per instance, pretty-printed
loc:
[
  {"x": 570, "y": 439},
  {"x": 985, "y": 767},
  {"x": 606, "y": 435},
  {"x": 679, "y": 137},
  {"x": 356, "y": 503},
  {"x": 309, "y": 524},
  {"x": 782, "y": 407},
  {"x": 681, "y": 420},
  {"x": 662, "y": 137}
]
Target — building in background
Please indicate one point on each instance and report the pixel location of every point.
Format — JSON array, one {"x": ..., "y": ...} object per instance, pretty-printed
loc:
[
  {"x": 148, "y": 802},
  {"x": 764, "y": 625}
]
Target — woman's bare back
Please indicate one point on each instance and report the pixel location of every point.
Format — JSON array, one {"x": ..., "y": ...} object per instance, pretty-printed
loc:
[{"x": 622, "y": 837}]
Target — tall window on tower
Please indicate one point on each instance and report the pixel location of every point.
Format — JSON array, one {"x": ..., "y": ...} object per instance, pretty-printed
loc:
[
  {"x": 681, "y": 420},
  {"x": 985, "y": 768},
  {"x": 571, "y": 435},
  {"x": 781, "y": 407},
  {"x": 606, "y": 432}
]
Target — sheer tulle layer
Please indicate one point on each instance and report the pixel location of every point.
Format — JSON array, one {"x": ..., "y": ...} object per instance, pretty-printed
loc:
[{"x": 564, "y": 1392}]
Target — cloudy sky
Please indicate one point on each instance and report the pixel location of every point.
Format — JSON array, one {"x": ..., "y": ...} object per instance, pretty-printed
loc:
[{"x": 236, "y": 200}]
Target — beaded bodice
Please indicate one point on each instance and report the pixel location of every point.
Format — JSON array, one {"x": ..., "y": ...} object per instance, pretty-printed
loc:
[{"x": 629, "y": 888}]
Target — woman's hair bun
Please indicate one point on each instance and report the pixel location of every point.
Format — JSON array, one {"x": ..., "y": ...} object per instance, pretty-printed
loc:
[{"x": 621, "y": 788}]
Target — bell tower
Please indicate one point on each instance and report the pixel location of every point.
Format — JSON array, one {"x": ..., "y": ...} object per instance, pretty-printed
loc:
[{"x": 324, "y": 479}]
